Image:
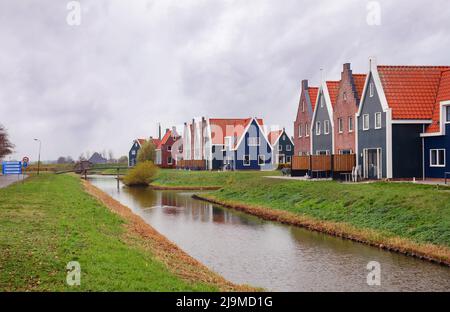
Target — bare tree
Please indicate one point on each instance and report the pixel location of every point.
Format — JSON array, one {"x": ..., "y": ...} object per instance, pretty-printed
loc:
[
  {"x": 6, "y": 147},
  {"x": 61, "y": 160},
  {"x": 110, "y": 155}
]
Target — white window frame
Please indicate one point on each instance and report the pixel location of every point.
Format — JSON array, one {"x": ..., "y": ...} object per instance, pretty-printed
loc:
[
  {"x": 280, "y": 148},
  {"x": 249, "y": 160},
  {"x": 371, "y": 89},
  {"x": 259, "y": 160},
  {"x": 300, "y": 130},
  {"x": 288, "y": 148},
  {"x": 318, "y": 127},
  {"x": 366, "y": 125},
  {"x": 350, "y": 124},
  {"x": 437, "y": 165},
  {"x": 288, "y": 159},
  {"x": 251, "y": 143},
  {"x": 321, "y": 102},
  {"x": 378, "y": 117},
  {"x": 306, "y": 130},
  {"x": 169, "y": 148},
  {"x": 171, "y": 160},
  {"x": 340, "y": 125},
  {"x": 326, "y": 127}
]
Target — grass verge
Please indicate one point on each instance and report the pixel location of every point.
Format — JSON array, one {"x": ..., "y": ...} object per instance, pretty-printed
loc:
[{"x": 50, "y": 220}]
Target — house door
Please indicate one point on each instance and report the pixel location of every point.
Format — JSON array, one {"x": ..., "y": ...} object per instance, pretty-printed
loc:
[
  {"x": 281, "y": 159},
  {"x": 372, "y": 163}
]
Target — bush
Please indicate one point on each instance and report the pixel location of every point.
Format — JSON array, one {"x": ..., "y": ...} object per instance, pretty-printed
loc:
[
  {"x": 141, "y": 175},
  {"x": 146, "y": 152},
  {"x": 282, "y": 166}
]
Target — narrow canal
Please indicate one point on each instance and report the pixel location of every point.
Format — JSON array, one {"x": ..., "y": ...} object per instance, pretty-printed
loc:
[{"x": 246, "y": 249}]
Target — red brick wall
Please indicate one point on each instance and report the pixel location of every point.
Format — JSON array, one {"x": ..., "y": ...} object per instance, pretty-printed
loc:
[
  {"x": 345, "y": 108},
  {"x": 165, "y": 153},
  {"x": 302, "y": 144}
]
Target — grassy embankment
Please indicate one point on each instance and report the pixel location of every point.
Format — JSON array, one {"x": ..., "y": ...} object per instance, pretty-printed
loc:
[
  {"x": 50, "y": 220},
  {"x": 405, "y": 217}
]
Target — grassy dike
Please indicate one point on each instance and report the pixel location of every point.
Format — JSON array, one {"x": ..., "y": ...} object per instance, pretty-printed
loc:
[
  {"x": 51, "y": 220},
  {"x": 408, "y": 218}
]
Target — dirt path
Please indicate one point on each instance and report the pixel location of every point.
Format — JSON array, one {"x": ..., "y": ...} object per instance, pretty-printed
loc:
[{"x": 171, "y": 255}]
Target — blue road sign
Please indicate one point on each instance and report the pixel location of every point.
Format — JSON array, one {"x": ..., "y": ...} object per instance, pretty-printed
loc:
[
  {"x": 11, "y": 167},
  {"x": 24, "y": 164}
]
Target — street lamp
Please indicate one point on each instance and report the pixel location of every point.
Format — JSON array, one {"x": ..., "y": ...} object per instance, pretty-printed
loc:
[{"x": 39, "y": 155}]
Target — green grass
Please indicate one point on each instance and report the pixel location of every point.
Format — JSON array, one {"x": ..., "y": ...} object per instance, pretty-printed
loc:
[
  {"x": 179, "y": 178},
  {"x": 50, "y": 220},
  {"x": 417, "y": 212},
  {"x": 420, "y": 213}
]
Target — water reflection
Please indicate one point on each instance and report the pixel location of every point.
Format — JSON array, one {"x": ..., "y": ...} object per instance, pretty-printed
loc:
[{"x": 246, "y": 249}]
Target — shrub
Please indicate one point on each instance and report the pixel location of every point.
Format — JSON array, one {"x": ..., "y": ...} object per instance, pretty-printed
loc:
[
  {"x": 282, "y": 166},
  {"x": 146, "y": 152},
  {"x": 142, "y": 174}
]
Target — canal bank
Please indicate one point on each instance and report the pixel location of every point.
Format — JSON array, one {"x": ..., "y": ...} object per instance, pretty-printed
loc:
[
  {"x": 50, "y": 220},
  {"x": 245, "y": 249},
  {"x": 403, "y": 217}
]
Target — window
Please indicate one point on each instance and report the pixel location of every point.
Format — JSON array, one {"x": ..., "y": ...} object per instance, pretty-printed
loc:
[
  {"x": 344, "y": 96},
  {"x": 437, "y": 158},
  {"x": 227, "y": 142},
  {"x": 340, "y": 125},
  {"x": 169, "y": 160},
  {"x": 326, "y": 126},
  {"x": 371, "y": 89},
  {"x": 366, "y": 122},
  {"x": 280, "y": 148},
  {"x": 321, "y": 102},
  {"x": 169, "y": 148},
  {"x": 133, "y": 152},
  {"x": 288, "y": 148},
  {"x": 307, "y": 130},
  {"x": 318, "y": 128},
  {"x": 288, "y": 159},
  {"x": 303, "y": 106},
  {"x": 350, "y": 124},
  {"x": 300, "y": 130},
  {"x": 377, "y": 120},
  {"x": 246, "y": 160},
  {"x": 448, "y": 114},
  {"x": 345, "y": 152},
  {"x": 253, "y": 141},
  {"x": 261, "y": 160},
  {"x": 324, "y": 152}
]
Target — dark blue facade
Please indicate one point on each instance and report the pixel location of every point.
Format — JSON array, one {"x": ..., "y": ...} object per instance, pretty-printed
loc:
[
  {"x": 254, "y": 152},
  {"x": 437, "y": 142},
  {"x": 283, "y": 149},
  {"x": 132, "y": 154}
]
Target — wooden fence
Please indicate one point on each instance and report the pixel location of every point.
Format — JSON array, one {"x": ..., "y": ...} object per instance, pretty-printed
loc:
[
  {"x": 336, "y": 163},
  {"x": 192, "y": 164}
]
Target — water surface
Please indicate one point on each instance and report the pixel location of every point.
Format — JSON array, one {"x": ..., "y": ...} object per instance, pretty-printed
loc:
[{"x": 246, "y": 249}]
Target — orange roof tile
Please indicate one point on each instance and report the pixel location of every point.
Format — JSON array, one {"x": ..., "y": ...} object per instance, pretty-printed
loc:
[
  {"x": 164, "y": 139},
  {"x": 274, "y": 135},
  {"x": 312, "y": 91},
  {"x": 442, "y": 95},
  {"x": 411, "y": 90},
  {"x": 360, "y": 80},
  {"x": 333, "y": 91},
  {"x": 233, "y": 127}
]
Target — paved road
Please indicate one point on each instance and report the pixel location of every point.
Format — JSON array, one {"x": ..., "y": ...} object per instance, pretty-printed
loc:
[{"x": 6, "y": 180}]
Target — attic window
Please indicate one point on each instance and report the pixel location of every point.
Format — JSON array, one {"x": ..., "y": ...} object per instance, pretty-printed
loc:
[{"x": 371, "y": 89}]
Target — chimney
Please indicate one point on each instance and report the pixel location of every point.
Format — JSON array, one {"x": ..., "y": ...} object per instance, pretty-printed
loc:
[
  {"x": 159, "y": 131},
  {"x": 346, "y": 70},
  {"x": 305, "y": 84}
]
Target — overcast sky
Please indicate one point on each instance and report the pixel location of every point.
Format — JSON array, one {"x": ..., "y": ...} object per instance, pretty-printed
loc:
[{"x": 132, "y": 64}]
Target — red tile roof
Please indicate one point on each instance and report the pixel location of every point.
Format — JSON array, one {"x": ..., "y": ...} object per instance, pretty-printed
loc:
[
  {"x": 443, "y": 94},
  {"x": 141, "y": 141},
  {"x": 156, "y": 142},
  {"x": 411, "y": 90},
  {"x": 360, "y": 80},
  {"x": 312, "y": 91},
  {"x": 234, "y": 127},
  {"x": 333, "y": 91},
  {"x": 274, "y": 135}
]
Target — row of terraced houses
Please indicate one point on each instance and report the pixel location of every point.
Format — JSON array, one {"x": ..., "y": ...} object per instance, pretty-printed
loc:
[{"x": 393, "y": 121}]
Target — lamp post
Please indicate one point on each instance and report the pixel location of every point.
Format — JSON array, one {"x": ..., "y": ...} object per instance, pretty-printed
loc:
[{"x": 39, "y": 155}]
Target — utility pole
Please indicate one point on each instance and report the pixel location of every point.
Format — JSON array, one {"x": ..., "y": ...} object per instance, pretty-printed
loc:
[{"x": 39, "y": 155}]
